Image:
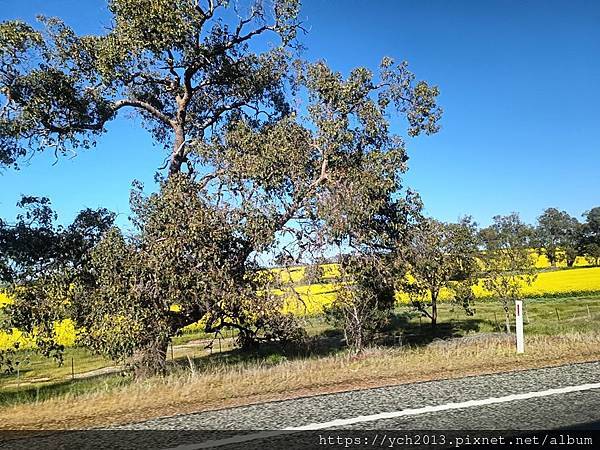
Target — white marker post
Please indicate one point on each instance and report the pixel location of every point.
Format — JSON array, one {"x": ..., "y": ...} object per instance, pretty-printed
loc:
[{"x": 519, "y": 325}]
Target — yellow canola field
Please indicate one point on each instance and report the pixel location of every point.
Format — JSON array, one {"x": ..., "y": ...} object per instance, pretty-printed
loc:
[
  {"x": 65, "y": 335},
  {"x": 312, "y": 299},
  {"x": 4, "y": 300},
  {"x": 555, "y": 283},
  {"x": 543, "y": 263},
  {"x": 296, "y": 274},
  {"x": 564, "y": 282},
  {"x": 65, "y": 332}
]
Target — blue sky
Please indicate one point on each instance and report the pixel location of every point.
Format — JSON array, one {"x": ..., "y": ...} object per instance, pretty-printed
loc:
[{"x": 519, "y": 82}]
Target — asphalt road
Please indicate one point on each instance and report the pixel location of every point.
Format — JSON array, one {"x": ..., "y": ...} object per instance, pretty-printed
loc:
[
  {"x": 559, "y": 410},
  {"x": 565, "y": 397}
]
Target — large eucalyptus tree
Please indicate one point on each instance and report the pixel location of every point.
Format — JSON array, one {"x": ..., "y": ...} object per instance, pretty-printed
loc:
[{"x": 284, "y": 158}]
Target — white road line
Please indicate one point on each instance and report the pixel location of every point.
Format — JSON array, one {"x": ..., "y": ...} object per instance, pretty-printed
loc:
[{"x": 389, "y": 415}]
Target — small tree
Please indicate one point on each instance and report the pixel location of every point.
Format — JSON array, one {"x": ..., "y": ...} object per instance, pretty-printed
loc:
[
  {"x": 507, "y": 261},
  {"x": 364, "y": 301},
  {"x": 557, "y": 236},
  {"x": 369, "y": 271},
  {"x": 441, "y": 256},
  {"x": 186, "y": 262}
]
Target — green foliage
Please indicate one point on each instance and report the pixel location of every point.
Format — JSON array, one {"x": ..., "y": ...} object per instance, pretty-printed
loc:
[
  {"x": 41, "y": 263},
  {"x": 507, "y": 260},
  {"x": 187, "y": 261},
  {"x": 262, "y": 178},
  {"x": 175, "y": 63},
  {"x": 365, "y": 302},
  {"x": 9, "y": 360},
  {"x": 17, "y": 39},
  {"x": 464, "y": 296},
  {"x": 361, "y": 206},
  {"x": 558, "y": 230},
  {"x": 275, "y": 359},
  {"x": 590, "y": 236},
  {"x": 441, "y": 256}
]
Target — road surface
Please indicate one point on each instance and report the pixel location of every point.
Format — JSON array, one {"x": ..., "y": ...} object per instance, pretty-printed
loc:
[{"x": 565, "y": 397}]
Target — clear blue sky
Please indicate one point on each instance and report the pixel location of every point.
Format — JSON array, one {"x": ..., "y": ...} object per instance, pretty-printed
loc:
[{"x": 520, "y": 87}]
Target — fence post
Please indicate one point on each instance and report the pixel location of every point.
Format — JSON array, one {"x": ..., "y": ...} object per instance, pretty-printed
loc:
[
  {"x": 557, "y": 315},
  {"x": 72, "y": 369},
  {"x": 589, "y": 313}
]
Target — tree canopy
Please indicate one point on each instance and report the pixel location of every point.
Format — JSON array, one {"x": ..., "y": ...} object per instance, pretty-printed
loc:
[
  {"x": 41, "y": 262},
  {"x": 557, "y": 235},
  {"x": 183, "y": 66}
]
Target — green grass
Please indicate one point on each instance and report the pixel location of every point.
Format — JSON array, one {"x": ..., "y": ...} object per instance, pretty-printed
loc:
[
  {"x": 40, "y": 378},
  {"x": 540, "y": 315},
  {"x": 33, "y": 366},
  {"x": 540, "y": 319},
  {"x": 39, "y": 392}
]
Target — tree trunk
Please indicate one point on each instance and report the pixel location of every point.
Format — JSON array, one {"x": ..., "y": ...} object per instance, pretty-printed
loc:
[
  {"x": 434, "y": 310},
  {"x": 358, "y": 345},
  {"x": 150, "y": 360},
  {"x": 178, "y": 154},
  {"x": 507, "y": 316},
  {"x": 355, "y": 330}
]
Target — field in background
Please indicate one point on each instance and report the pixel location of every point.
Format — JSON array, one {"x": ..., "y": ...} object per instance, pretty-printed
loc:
[
  {"x": 296, "y": 273},
  {"x": 549, "y": 283}
]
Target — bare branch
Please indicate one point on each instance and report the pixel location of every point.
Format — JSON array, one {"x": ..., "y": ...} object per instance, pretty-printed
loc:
[
  {"x": 146, "y": 107},
  {"x": 220, "y": 111}
]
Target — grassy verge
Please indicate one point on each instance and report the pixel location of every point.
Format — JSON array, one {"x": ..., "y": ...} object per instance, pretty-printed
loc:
[
  {"x": 557, "y": 331},
  {"x": 221, "y": 384}
]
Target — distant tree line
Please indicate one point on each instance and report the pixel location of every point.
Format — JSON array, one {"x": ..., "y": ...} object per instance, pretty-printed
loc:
[
  {"x": 563, "y": 238},
  {"x": 454, "y": 256}
]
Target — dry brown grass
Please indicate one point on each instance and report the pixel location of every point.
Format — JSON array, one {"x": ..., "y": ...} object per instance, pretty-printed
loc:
[{"x": 231, "y": 386}]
